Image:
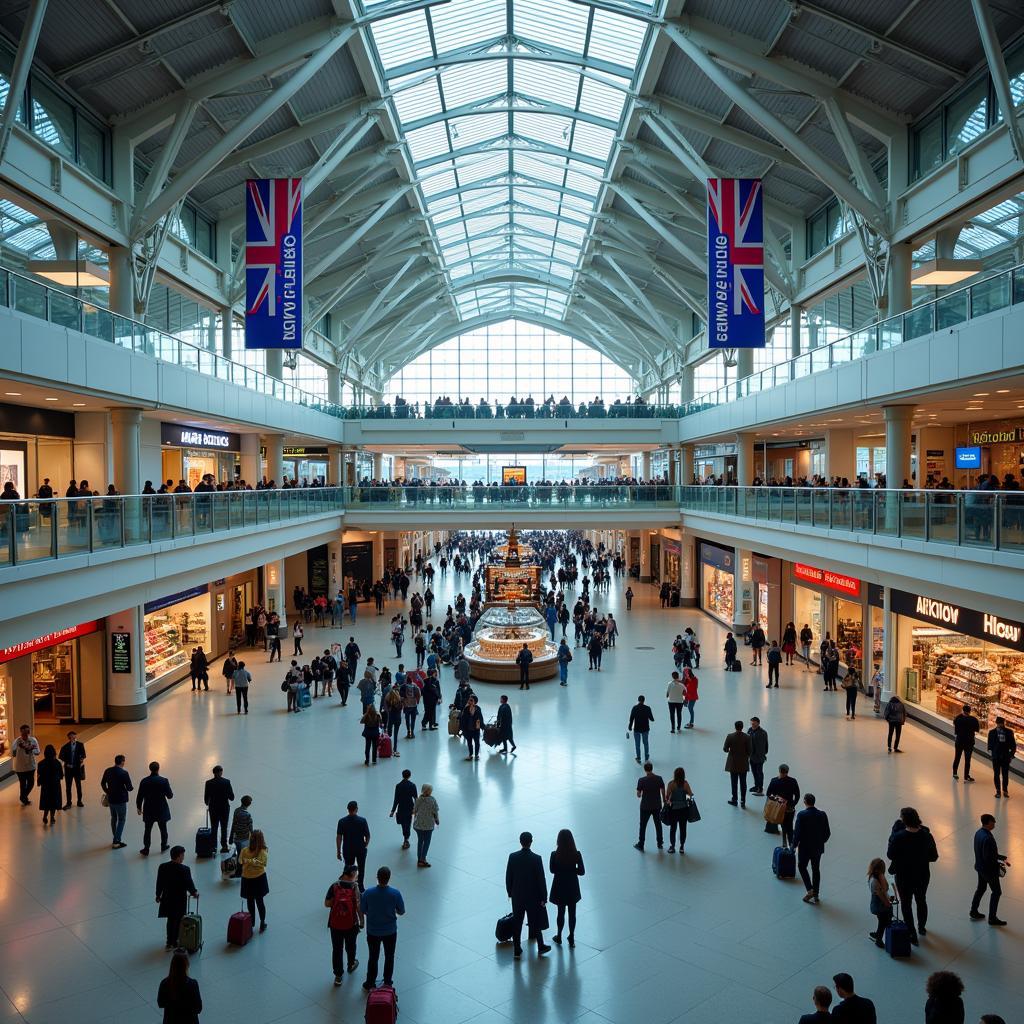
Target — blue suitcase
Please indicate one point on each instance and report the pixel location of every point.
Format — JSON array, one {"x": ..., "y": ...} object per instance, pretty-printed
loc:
[
  {"x": 897, "y": 935},
  {"x": 784, "y": 862},
  {"x": 305, "y": 700}
]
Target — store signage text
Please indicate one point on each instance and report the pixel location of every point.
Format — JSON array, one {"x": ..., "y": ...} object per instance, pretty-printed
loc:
[
  {"x": 981, "y": 625},
  {"x": 1010, "y": 436},
  {"x": 938, "y": 610},
  {"x": 121, "y": 653},
  {"x": 198, "y": 437},
  {"x": 48, "y": 640},
  {"x": 1002, "y": 630},
  {"x": 826, "y": 578}
]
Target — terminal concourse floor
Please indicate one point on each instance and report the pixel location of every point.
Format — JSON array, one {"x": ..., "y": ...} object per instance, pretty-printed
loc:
[{"x": 660, "y": 938}]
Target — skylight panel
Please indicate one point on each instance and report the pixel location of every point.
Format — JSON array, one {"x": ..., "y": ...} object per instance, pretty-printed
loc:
[
  {"x": 464, "y": 83},
  {"x": 556, "y": 22},
  {"x": 483, "y": 169},
  {"x": 417, "y": 100},
  {"x": 451, "y": 231},
  {"x": 402, "y": 38},
  {"x": 615, "y": 38},
  {"x": 548, "y": 128},
  {"x": 571, "y": 234},
  {"x": 465, "y": 22},
  {"x": 469, "y": 130},
  {"x": 600, "y": 99},
  {"x": 530, "y": 166},
  {"x": 591, "y": 140},
  {"x": 432, "y": 184},
  {"x": 547, "y": 81},
  {"x": 538, "y": 199},
  {"x": 456, "y": 253},
  {"x": 538, "y": 223},
  {"x": 582, "y": 183},
  {"x": 428, "y": 142}
]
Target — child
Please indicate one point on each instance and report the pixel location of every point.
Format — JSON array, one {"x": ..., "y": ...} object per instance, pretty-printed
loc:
[{"x": 881, "y": 901}]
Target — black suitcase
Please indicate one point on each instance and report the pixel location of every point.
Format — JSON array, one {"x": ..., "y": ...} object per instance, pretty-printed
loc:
[
  {"x": 206, "y": 840},
  {"x": 503, "y": 930},
  {"x": 783, "y": 862}
]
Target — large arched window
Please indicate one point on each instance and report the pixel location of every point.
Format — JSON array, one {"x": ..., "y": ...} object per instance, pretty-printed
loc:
[{"x": 511, "y": 358}]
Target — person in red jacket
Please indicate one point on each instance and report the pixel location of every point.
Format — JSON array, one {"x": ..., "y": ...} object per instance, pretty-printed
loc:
[{"x": 690, "y": 683}]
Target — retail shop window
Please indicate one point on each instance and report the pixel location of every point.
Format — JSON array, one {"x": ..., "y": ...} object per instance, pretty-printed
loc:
[{"x": 171, "y": 635}]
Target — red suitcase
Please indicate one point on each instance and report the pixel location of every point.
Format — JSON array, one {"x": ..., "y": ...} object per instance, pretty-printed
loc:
[
  {"x": 382, "y": 1006},
  {"x": 383, "y": 746},
  {"x": 239, "y": 928}
]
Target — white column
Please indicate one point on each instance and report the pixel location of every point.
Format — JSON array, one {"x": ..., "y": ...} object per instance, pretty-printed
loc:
[
  {"x": 226, "y": 339},
  {"x": 122, "y": 293},
  {"x": 841, "y": 454},
  {"x": 334, "y": 567},
  {"x": 275, "y": 457},
  {"x": 378, "y": 466},
  {"x": 744, "y": 362},
  {"x": 743, "y": 590},
  {"x": 273, "y": 586},
  {"x": 889, "y": 651},
  {"x": 795, "y": 315},
  {"x": 334, "y": 387},
  {"x": 745, "y": 470},
  {"x": 672, "y": 475},
  {"x": 336, "y": 463},
  {"x": 378, "y": 554},
  {"x": 688, "y": 572},
  {"x": 645, "y": 463},
  {"x": 126, "y": 691},
  {"x": 898, "y": 420},
  {"x": 249, "y": 463},
  {"x": 686, "y": 464},
  {"x": 900, "y": 299},
  {"x": 645, "y": 556},
  {"x": 275, "y": 363},
  {"x": 127, "y": 437}
]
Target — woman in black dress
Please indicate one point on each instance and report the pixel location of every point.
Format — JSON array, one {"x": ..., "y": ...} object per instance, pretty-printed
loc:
[
  {"x": 566, "y": 866},
  {"x": 178, "y": 995},
  {"x": 50, "y": 775}
]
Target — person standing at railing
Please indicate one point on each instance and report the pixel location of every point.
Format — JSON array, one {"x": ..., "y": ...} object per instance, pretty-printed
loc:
[{"x": 44, "y": 494}]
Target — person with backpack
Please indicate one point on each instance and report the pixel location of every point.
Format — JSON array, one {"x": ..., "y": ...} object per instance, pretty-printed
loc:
[
  {"x": 729, "y": 649},
  {"x": 242, "y": 678},
  {"x": 344, "y": 921},
  {"x": 564, "y": 657},
  {"x": 410, "y": 694},
  {"x": 431, "y": 699},
  {"x": 895, "y": 714}
]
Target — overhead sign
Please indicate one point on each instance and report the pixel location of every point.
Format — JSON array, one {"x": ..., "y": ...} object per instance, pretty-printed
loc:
[
  {"x": 182, "y": 435},
  {"x": 735, "y": 263},
  {"x": 847, "y": 585},
  {"x": 981, "y": 625},
  {"x": 40, "y": 643},
  {"x": 183, "y": 595},
  {"x": 1010, "y": 435},
  {"x": 273, "y": 263}
]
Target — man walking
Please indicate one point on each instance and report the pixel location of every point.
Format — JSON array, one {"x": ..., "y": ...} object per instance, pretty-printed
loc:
[
  {"x": 504, "y": 723},
  {"x": 737, "y": 762},
  {"x": 524, "y": 659},
  {"x": 758, "y": 754},
  {"x": 26, "y": 751},
  {"x": 72, "y": 756},
  {"x": 912, "y": 852},
  {"x": 965, "y": 728},
  {"x": 810, "y": 834},
  {"x": 564, "y": 657},
  {"x": 1002, "y": 745},
  {"x": 527, "y": 888},
  {"x": 352, "y": 656},
  {"x": 217, "y": 795},
  {"x": 988, "y": 862},
  {"x": 650, "y": 790},
  {"x": 274, "y": 637},
  {"x": 401, "y": 806},
  {"x": 242, "y": 679},
  {"x": 381, "y": 905},
  {"x": 353, "y": 837},
  {"x": 151, "y": 803},
  {"x": 640, "y": 719},
  {"x": 344, "y": 921},
  {"x": 173, "y": 886},
  {"x": 116, "y": 784}
]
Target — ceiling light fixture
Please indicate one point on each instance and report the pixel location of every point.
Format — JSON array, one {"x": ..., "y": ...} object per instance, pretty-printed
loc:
[
  {"x": 944, "y": 271},
  {"x": 71, "y": 273},
  {"x": 51, "y": 399},
  {"x": 980, "y": 394},
  {"x": 78, "y": 405},
  {"x": 13, "y": 394}
]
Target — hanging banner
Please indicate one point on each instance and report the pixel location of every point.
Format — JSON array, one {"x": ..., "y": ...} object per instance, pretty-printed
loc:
[
  {"x": 735, "y": 263},
  {"x": 273, "y": 263}
]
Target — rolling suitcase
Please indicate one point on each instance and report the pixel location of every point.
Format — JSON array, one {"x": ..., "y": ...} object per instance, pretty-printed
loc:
[
  {"x": 453, "y": 723},
  {"x": 239, "y": 928},
  {"x": 190, "y": 931},
  {"x": 382, "y": 1005},
  {"x": 492, "y": 735},
  {"x": 305, "y": 700},
  {"x": 897, "y": 934},
  {"x": 206, "y": 840},
  {"x": 783, "y": 862},
  {"x": 383, "y": 746},
  {"x": 503, "y": 930}
]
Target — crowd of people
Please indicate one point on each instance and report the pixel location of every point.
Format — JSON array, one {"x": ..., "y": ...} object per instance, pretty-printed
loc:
[{"x": 525, "y": 407}]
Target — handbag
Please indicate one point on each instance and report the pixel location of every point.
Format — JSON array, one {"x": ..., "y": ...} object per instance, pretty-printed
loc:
[
  {"x": 692, "y": 813},
  {"x": 666, "y": 814},
  {"x": 104, "y": 800},
  {"x": 774, "y": 810}
]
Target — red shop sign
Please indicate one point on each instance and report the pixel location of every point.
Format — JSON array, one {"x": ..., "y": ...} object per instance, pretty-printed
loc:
[
  {"x": 847, "y": 585},
  {"x": 40, "y": 643}
]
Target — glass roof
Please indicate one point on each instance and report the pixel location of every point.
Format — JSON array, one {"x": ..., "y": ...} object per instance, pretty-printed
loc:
[{"x": 511, "y": 109}]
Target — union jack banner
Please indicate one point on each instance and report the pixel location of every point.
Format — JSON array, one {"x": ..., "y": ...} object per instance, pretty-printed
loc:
[
  {"x": 273, "y": 263},
  {"x": 735, "y": 263}
]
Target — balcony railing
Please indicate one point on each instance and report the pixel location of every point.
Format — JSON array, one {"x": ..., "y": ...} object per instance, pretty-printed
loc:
[
  {"x": 978, "y": 519},
  {"x": 516, "y": 497}
]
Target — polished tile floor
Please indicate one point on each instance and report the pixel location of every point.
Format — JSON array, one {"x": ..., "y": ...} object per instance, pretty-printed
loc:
[{"x": 661, "y": 938}]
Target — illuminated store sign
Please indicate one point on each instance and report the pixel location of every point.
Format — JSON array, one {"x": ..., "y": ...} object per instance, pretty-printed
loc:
[
  {"x": 826, "y": 578},
  {"x": 48, "y": 640},
  {"x": 980, "y": 625},
  {"x": 184, "y": 436}
]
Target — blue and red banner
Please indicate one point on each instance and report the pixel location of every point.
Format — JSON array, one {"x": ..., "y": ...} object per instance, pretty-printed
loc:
[
  {"x": 735, "y": 263},
  {"x": 273, "y": 263}
]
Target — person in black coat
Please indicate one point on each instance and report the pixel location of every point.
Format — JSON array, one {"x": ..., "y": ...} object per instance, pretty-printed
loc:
[
  {"x": 49, "y": 775},
  {"x": 527, "y": 888},
  {"x": 810, "y": 834},
  {"x": 151, "y": 803},
  {"x": 730, "y": 650},
  {"x": 822, "y": 999},
  {"x": 1002, "y": 746},
  {"x": 173, "y": 886},
  {"x": 217, "y": 795},
  {"x": 965, "y": 728},
  {"x": 945, "y": 1004},
  {"x": 178, "y": 995},
  {"x": 987, "y": 863},
  {"x": 852, "y": 1008},
  {"x": 912, "y": 851},
  {"x": 566, "y": 867},
  {"x": 401, "y": 806},
  {"x": 116, "y": 784},
  {"x": 72, "y": 756}
]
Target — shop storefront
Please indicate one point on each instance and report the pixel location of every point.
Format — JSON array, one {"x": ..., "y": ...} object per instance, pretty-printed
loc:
[
  {"x": 190, "y": 452},
  {"x": 766, "y": 576},
  {"x": 36, "y": 444},
  {"x": 718, "y": 582},
  {"x": 173, "y": 627},
  {"x": 948, "y": 656},
  {"x": 1002, "y": 450},
  {"x": 830, "y": 602},
  {"x": 654, "y": 563},
  {"x": 233, "y": 598},
  {"x": 49, "y": 682},
  {"x": 672, "y": 553}
]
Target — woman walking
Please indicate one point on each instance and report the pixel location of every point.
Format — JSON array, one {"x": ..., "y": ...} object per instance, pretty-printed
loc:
[
  {"x": 789, "y": 642},
  {"x": 425, "y": 819},
  {"x": 254, "y": 876},
  {"x": 178, "y": 995},
  {"x": 881, "y": 901},
  {"x": 677, "y": 795},
  {"x": 690, "y": 682},
  {"x": 371, "y": 721},
  {"x": 49, "y": 776},
  {"x": 566, "y": 867}
]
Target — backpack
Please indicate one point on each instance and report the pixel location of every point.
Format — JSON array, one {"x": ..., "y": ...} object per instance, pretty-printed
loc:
[{"x": 343, "y": 909}]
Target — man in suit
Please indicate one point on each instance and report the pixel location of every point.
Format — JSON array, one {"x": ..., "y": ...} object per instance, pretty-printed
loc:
[
  {"x": 72, "y": 756},
  {"x": 965, "y": 727},
  {"x": 737, "y": 746},
  {"x": 116, "y": 784},
  {"x": 852, "y": 1008},
  {"x": 1002, "y": 745},
  {"x": 217, "y": 795},
  {"x": 987, "y": 861},
  {"x": 810, "y": 834},
  {"x": 353, "y": 837},
  {"x": 527, "y": 888},
  {"x": 173, "y": 886},
  {"x": 151, "y": 803},
  {"x": 822, "y": 999}
]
